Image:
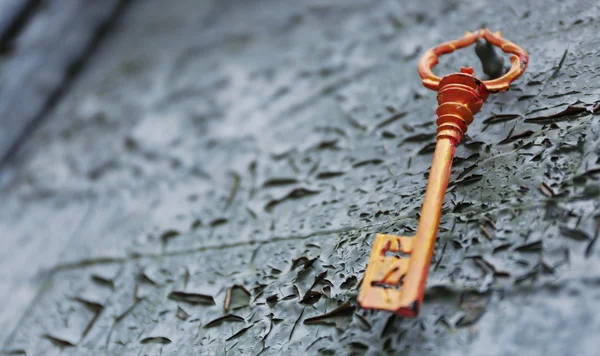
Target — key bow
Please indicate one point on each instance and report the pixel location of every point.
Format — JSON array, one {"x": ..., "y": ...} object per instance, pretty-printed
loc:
[{"x": 519, "y": 59}]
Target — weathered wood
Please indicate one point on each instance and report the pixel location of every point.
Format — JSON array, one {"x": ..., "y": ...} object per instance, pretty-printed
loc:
[
  {"x": 261, "y": 144},
  {"x": 51, "y": 43},
  {"x": 44, "y": 47},
  {"x": 14, "y": 15}
]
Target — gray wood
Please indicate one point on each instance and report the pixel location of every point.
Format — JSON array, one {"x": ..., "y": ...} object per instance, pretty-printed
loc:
[
  {"x": 13, "y": 14},
  {"x": 51, "y": 43},
  {"x": 216, "y": 144}
]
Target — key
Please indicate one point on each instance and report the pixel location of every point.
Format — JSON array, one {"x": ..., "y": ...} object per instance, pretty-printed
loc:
[{"x": 396, "y": 274}]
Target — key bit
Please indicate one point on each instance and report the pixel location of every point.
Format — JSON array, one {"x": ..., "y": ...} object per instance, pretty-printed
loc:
[{"x": 398, "y": 266}]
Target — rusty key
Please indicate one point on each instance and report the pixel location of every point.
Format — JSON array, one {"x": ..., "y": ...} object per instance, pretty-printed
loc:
[{"x": 398, "y": 266}]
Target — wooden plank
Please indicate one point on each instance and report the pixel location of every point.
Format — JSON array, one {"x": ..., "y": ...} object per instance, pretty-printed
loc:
[
  {"x": 214, "y": 145},
  {"x": 47, "y": 51},
  {"x": 49, "y": 46},
  {"x": 13, "y": 15}
]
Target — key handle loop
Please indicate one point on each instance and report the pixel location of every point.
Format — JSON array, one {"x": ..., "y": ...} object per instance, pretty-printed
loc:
[{"x": 519, "y": 60}]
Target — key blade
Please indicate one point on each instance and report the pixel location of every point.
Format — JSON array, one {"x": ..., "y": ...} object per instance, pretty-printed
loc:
[{"x": 383, "y": 283}]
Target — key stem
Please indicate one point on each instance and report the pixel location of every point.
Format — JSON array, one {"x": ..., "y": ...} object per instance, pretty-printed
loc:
[{"x": 431, "y": 213}]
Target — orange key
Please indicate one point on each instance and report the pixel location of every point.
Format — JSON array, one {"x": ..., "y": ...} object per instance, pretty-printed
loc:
[{"x": 398, "y": 266}]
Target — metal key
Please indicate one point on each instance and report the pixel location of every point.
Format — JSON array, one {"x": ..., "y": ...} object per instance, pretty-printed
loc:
[{"x": 398, "y": 266}]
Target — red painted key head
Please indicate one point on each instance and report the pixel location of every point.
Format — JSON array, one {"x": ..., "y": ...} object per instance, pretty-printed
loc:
[{"x": 518, "y": 60}]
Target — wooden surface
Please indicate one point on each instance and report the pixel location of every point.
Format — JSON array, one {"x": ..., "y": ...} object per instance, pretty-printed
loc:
[
  {"x": 46, "y": 43},
  {"x": 258, "y": 146},
  {"x": 43, "y": 50},
  {"x": 14, "y": 15}
]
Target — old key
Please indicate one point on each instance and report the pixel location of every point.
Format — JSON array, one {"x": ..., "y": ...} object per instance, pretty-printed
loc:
[{"x": 398, "y": 266}]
